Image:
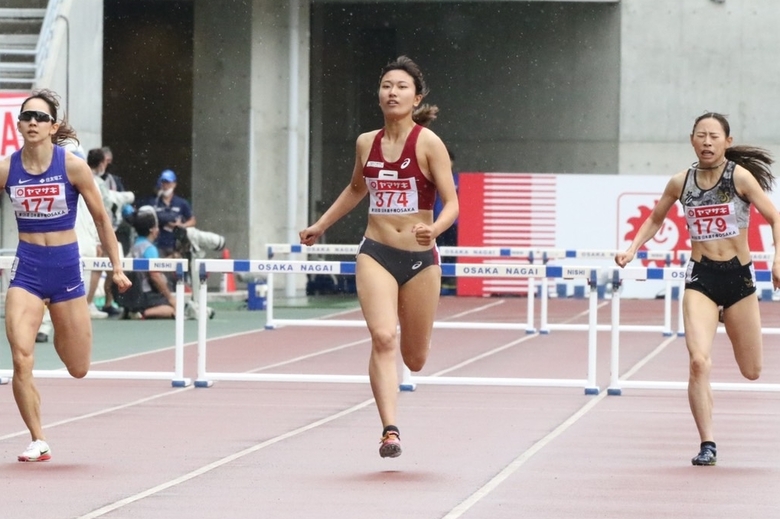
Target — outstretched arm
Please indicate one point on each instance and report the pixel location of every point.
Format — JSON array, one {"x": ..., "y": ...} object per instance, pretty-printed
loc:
[
  {"x": 81, "y": 177},
  {"x": 653, "y": 222},
  {"x": 346, "y": 201}
]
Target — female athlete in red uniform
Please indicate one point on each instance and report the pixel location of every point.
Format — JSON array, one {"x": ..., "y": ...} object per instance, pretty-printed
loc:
[{"x": 400, "y": 167}]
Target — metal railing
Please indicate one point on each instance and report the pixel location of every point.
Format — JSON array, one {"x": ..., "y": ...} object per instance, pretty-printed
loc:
[{"x": 36, "y": 47}]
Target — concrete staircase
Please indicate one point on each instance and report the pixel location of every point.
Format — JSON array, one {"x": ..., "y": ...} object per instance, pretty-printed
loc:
[{"x": 20, "y": 28}]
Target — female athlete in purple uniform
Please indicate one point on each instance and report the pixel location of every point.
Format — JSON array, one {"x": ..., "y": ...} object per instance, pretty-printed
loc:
[{"x": 44, "y": 181}]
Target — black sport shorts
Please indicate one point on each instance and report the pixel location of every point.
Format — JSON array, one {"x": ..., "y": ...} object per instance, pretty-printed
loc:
[
  {"x": 403, "y": 265},
  {"x": 725, "y": 282}
]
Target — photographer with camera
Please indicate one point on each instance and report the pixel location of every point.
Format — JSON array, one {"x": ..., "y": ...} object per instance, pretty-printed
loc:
[{"x": 172, "y": 211}]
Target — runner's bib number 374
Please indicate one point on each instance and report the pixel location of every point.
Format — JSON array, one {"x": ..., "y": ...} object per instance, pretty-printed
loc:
[{"x": 391, "y": 195}]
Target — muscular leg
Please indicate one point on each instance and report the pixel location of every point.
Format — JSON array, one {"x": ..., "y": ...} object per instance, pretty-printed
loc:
[
  {"x": 700, "y": 316},
  {"x": 417, "y": 304},
  {"x": 378, "y": 295},
  {"x": 23, "y": 316},
  {"x": 743, "y": 326},
  {"x": 73, "y": 334}
]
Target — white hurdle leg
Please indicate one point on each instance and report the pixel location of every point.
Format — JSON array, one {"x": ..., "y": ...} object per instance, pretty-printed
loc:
[
  {"x": 407, "y": 384},
  {"x": 202, "y": 380},
  {"x": 593, "y": 303},
  {"x": 269, "y": 303},
  {"x": 178, "y": 375},
  {"x": 614, "y": 362},
  {"x": 680, "y": 322},
  {"x": 529, "y": 328},
  {"x": 543, "y": 328},
  {"x": 668, "y": 309}
]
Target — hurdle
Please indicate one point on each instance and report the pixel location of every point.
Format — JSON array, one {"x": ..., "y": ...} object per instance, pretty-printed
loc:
[
  {"x": 179, "y": 266},
  {"x": 616, "y": 384},
  {"x": 531, "y": 255},
  {"x": 206, "y": 266}
]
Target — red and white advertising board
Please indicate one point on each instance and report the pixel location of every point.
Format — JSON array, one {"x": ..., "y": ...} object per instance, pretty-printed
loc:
[
  {"x": 572, "y": 212},
  {"x": 10, "y": 140}
]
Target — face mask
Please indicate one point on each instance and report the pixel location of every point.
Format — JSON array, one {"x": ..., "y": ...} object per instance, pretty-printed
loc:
[{"x": 166, "y": 192}]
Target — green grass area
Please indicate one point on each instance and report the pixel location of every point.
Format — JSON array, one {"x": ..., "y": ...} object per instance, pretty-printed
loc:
[{"x": 114, "y": 338}]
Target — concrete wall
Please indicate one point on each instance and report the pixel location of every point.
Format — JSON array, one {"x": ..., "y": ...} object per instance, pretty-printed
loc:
[
  {"x": 521, "y": 87},
  {"x": 241, "y": 122},
  {"x": 76, "y": 71},
  {"x": 680, "y": 58}
]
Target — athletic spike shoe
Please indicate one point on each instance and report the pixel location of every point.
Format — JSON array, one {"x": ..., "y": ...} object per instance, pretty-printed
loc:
[
  {"x": 707, "y": 456},
  {"x": 37, "y": 451},
  {"x": 390, "y": 445}
]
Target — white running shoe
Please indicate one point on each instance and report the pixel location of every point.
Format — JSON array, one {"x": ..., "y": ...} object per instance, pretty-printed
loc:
[
  {"x": 191, "y": 311},
  {"x": 95, "y": 313},
  {"x": 37, "y": 451}
]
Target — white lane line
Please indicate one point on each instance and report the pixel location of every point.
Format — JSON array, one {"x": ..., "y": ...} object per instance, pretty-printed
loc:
[
  {"x": 505, "y": 346},
  {"x": 518, "y": 462},
  {"x": 224, "y": 461},
  {"x": 309, "y": 355},
  {"x": 101, "y": 412}
]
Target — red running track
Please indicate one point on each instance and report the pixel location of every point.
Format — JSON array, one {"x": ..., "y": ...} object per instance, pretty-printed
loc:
[{"x": 140, "y": 449}]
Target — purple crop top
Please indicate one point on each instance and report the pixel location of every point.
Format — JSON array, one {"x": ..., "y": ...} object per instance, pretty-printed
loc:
[{"x": 45, "y": 202}]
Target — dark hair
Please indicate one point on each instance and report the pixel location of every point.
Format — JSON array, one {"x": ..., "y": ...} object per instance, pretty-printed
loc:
[
  {"x": 425, "y": 113},
  {"x": 144, "y": 222},
  {"x": 64, "y": 130},
  {"x": 94, "y": 157},
  {"x": 754, "y": 159}
]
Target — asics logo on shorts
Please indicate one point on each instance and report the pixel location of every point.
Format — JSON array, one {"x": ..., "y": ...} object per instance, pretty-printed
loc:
[{"x": 417, "y": 265}]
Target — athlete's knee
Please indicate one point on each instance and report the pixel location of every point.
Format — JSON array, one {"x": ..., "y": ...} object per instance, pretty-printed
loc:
[
  {"x": 700, "y": 365},
  {"x": 384, "y": 340},
  {"x": 78, "y": 370},
  {"x": 751, "y": 372},
  {"x": 415, "y": 358},
  {"x": 415, "y": 362},
  {"x": 23, "y": 363}
]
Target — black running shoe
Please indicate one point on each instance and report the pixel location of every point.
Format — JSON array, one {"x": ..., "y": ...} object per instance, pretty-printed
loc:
[
  {"x": 111, "y": 310},
  {"x": 707, "y": 456}
]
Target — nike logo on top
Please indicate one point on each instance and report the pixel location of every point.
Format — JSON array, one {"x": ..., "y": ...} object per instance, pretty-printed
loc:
[{"x": 25, "y": 181}]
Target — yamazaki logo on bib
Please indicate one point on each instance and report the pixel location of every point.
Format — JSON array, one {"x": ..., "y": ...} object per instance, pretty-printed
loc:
[
  {"x": 713, "y": 210},
  {"x": 50, "y": 190},
  {"x": 391, "y": 185}
]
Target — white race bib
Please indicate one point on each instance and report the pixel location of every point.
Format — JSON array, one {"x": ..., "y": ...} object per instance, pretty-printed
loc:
[
  {"x": 712, "y": 222},
  {"x": 39, "y": 202},
  {"x": 392, "y": 195}
]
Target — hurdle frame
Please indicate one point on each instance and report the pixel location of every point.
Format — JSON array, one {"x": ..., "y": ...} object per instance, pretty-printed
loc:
[
  {"x": 616, "y": 384},
  {"x": 177, "y": 378},
  {"x": 206, "y": 266},
  {"x": 530, "y": 254}
]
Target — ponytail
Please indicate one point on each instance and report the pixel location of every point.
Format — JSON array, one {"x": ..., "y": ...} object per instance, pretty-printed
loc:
[{"x": 757, "y": 161}]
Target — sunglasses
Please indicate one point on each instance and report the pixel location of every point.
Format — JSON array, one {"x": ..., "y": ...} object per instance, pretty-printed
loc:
[{"x": 41, "y": 117}]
